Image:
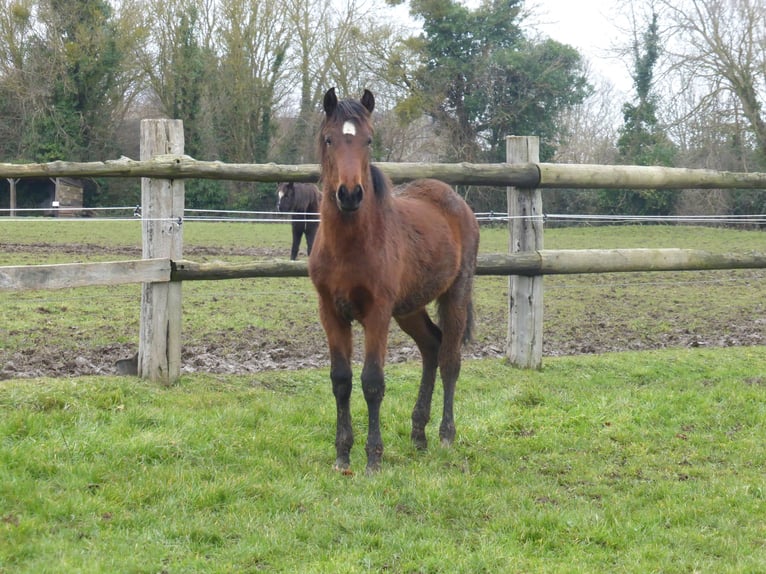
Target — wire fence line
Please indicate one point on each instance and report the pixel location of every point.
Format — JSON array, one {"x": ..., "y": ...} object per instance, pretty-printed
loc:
[
  {"x": 729, "y": 219},
  {"x": 245, "y": 216}
]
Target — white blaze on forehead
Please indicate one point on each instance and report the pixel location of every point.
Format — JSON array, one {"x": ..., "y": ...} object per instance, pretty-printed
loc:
[
  {"x": 281, "y": 194},
  {"x": 349, "y": 128}
]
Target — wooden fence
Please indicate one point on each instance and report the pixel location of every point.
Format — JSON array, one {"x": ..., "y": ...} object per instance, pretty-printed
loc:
[{"x": 162, "y": 269}]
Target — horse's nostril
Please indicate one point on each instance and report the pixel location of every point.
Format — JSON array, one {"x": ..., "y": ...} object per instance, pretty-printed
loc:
[{"x": 349, "y": 200}]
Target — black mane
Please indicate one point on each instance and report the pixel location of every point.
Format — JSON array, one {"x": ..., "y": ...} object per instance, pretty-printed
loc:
[{"x": 381, "y": 185}]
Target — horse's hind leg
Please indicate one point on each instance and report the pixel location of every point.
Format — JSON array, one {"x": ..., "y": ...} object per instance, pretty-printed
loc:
[
  {"x": 427, "y": 336},
  {"x": 453, "y": 319}
]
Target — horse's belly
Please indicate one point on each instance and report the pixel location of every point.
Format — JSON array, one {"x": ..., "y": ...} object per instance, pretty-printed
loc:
[{"x": 423, "y": 287}]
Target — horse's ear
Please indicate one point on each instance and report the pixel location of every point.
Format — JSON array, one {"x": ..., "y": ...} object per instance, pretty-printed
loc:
[
  {"x": 368, "y": 100},
  {"x": 330, "y": 101}
]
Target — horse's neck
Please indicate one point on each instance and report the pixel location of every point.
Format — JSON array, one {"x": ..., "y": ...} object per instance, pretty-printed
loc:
[{"x": 371, "y": 221}]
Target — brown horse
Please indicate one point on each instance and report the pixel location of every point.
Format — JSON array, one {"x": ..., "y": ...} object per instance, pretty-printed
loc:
[
  {"x": 379, "y": 255},
  {"x": 302, "y": 200}
]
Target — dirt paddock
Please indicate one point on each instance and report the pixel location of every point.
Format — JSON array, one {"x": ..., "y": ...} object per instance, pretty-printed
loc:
[{"x": 255, "y": 350}]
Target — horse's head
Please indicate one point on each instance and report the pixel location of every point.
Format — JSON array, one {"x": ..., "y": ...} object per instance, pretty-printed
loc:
[
  {"x": 286, "y": 197},
  {"x": 345, "y": 138}
]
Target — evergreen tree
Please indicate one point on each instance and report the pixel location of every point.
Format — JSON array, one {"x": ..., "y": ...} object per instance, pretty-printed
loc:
[
  {"x": 481, "y": 78},
  {"x": 74, "y": 120},
  {"x": 642, "y": 140}
]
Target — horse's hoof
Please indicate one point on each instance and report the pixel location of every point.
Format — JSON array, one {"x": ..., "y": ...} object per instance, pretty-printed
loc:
[
  {"x": 342, "y": 465},
  {"x": 372, "y": 469},
  {"x": 447, "y": 434},
  {"x": 419, "y": 440}
]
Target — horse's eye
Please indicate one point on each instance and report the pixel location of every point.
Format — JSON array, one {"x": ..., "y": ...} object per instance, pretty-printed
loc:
[
  {"x": 369, "y": 141},
  {"x": 328, "y": 140}
]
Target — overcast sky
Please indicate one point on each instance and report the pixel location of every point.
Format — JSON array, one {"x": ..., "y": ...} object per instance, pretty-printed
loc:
[{"x": 591, "y": 27}]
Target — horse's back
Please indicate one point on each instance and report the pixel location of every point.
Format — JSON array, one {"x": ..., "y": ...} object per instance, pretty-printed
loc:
[
  {"x": 437, "y": 193},
  {"x": 437, "y": 200}
]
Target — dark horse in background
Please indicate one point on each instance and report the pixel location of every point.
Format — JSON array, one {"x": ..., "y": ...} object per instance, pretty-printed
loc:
[
  {"x": 381, "y": 254},
  {"x": 302, "y": 200}
]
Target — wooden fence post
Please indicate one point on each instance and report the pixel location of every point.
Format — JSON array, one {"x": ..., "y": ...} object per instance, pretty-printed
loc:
[
  {"x": 525, "y": 293},
  {"x": 162, "y": 211},
  {"x": 12, "y": 181}
]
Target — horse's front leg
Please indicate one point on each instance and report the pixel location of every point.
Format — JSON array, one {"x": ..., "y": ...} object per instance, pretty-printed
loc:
[
  {"x": 374, "y": 384},
  {"x": 298, "y": 228},
  {"x": 341, "y": 375},
  {"x": 339, "y": 341},
  {"x": 311, "y": 232}
]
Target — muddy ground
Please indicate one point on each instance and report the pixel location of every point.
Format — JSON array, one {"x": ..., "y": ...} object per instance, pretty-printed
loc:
[{"x": 597, "y": 330}]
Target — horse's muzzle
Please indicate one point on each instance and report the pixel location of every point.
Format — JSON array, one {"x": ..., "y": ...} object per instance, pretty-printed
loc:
[{"x": 349, "y": 200}]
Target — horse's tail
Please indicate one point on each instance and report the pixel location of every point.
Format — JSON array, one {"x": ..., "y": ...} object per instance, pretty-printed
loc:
[
  {"x": 469, "y": 323},
  {"x": 469, "y": 318}
]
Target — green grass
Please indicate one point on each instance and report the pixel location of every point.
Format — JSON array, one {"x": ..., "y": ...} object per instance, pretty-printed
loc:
[
  {"x": 626, "y": 462},
  {"x": 127, "y": 234},
  {"x": 494, "y": 239},
  {"x": 618, "y": 462}
]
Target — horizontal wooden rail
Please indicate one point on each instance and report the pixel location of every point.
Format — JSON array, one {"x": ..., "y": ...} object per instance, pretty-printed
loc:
[
  {"x": 544, "y": 175},
  {"x": 191, "y": 271},
  {"x": 179, "y": 167},
  {"x": 644, "y": 177},
  {"x": 575, "y": 261},
  {"x": 545, "y": 262},
  {"x": 66, "y": 275}
]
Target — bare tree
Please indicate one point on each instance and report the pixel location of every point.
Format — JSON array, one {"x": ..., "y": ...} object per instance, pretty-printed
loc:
[
  {"x": 332, "y": 45},
  {"x": 180, "y": 66},
  {"x": 719, "y": 48},
  {"x": 253, "y": 37},
  {"x": 16, "y": 23},
  {"x": 591, "y": 129},
  {"x": 16, "y": 27}
]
